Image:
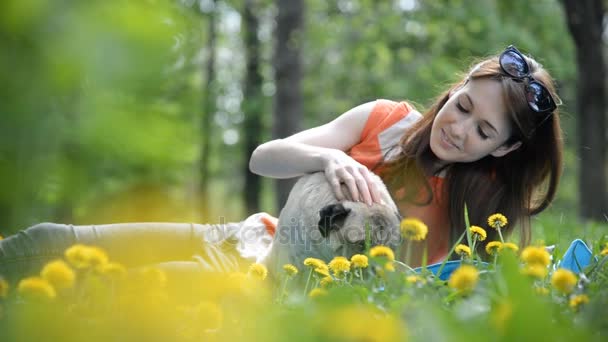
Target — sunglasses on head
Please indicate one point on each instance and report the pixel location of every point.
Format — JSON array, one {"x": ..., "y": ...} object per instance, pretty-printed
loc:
[{"x": 513, "y": 63}]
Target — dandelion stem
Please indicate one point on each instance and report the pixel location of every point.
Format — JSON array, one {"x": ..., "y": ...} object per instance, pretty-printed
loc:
[
  {"x": 408, "y": 252},
  {"x": 282, "y": 295},
  {"x": 500, "y": 234},
  {"x": 307, "y": 282}
]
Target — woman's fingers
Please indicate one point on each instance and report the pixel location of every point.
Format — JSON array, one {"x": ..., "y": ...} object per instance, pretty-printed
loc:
[
  {"x": 372, "y": 186},
  {"x": 335, "y": 184}
]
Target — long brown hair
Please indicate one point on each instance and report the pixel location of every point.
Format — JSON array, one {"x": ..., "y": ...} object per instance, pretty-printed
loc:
[{"x": 518, "y": 185}]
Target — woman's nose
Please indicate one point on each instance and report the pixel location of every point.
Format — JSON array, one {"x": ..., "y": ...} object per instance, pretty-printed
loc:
[{"x": 460, "y": 129}]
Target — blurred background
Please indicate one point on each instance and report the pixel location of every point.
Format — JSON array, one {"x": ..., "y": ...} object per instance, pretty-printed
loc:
[{"x": 148, "y": 110}]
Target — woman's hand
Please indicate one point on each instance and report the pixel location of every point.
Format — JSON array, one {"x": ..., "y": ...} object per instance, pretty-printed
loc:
[{"x": 342, "y": 169}]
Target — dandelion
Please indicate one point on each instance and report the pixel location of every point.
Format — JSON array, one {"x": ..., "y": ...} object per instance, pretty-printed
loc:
[
  {"x": 339, "y": 265},
  {"x": 535, "y": 270},
  {"x": 1, "y": 237},
  {"x": 317, "y": 292},
  {"x": 604, "y": 252},
  {"x": 113, "y": 270},
  {"x": 78, "y": 255},
  {"x": 82, "y": 256},
  {"x": 536, "y": 255},
  {"x": 478, "y": 233},
  {"x": 313, "y": 262},
  {"x": 322, "y": 270},
  {"x": 382, "y": 251},
  {"x": 326, "y": 281},
  {"x": 36, "y": 288},
  {"x": 578, "y": 300},
  {"x": 498, "y": 221},
  {"x": 493, "y": 247},
  {"x": 563, "y": 280},
  {"x": 359, "y": 261},
  {"x": 543, "y": 291},
  {"x": 464, "y": 279},
  {"x": 463, "y": 250},
  {"x": 501, "y": 315},
  {"x": 390, "y": 266},
  {"x": 258, "y": 271},
  {"x": 290, "y": 270},
  {"x": 414, "y": 279},
  {"x": 362, "y": 323},
  {"x": 509, "y": 246},
  {"x": 153, "y": 276},
  {"x": 413, "y": 229},
  {"x": 58, "y": 274},
  {"x": 3, "y": 288}
]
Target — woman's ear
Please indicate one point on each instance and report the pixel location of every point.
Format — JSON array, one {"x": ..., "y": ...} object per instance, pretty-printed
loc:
[{"x": 504, "y": 149}]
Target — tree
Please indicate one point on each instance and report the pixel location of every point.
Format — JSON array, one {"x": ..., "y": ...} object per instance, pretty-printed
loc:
[
  {"x": 288, "y": 77},
  {"x": 584, "y": 19},
  {"x": 252, "y": 104},
  {"x": 208, "y": 110}
]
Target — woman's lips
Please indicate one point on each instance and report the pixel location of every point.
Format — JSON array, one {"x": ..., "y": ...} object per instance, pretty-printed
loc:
[{"x": 446, "y": 141}]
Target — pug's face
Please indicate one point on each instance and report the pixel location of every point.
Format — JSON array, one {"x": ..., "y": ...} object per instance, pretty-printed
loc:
[{"x": 344, "y": 224}]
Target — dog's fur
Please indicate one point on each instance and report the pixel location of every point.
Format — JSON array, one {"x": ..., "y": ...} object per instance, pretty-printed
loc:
[{"x": 314, "y": 223}]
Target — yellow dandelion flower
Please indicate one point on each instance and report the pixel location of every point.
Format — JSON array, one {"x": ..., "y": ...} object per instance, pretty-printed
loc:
[
  {"x": 536, "y": 255},
  {"x": 317, "y": 292},
  {"x": 359, "y": 261},
  {"x": 3, "y": 288},
  {"x": 97, "y": 256},
  {"x": 326, "y": 281},
  {"x": 413, "y": 229},
  {"x": 78, "y": 255},
  {"x": 463, "y": 250},
  {"x": 382, "y": 251},
  {"x": 362, "y": 323},
  {"x": 493, "y": 247},
  {"x": 113, "y": 270},
  {"x": 464, "y": 279},
  {"x": 478, "y": 233},
  {"x": 390, "y": 266},
  {"x": 258, "y": 270},
  {"x": 414, "y": 279},
  {"x": 313, "y": 262},
  {"x": 543, "y": 291},
  {"x": 290, "y": 270},
  {"x": 578, "y": 300},
  {"x": 604, "y": 252},
  {"x": 497, "y": 221},
  {"x": 36, "y": 288},
  {"x": 501, "y": 315},
  {"x": 509, "y": 246},
  {"x": 339, "y": 265},
  {"x": 323, "y": 270},
  {"x": 58, "y": 274},
  {"x": 563, "y": 280},
  {"x": 535, "y": 270},
  {"x": 1, "y": 237}
]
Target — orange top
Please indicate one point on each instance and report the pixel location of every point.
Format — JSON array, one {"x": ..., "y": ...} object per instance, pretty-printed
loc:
[{"x": 384, "y": 128}]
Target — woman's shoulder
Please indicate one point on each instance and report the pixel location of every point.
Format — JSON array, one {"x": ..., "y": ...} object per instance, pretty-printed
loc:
[{"x": 390, "y": 115}]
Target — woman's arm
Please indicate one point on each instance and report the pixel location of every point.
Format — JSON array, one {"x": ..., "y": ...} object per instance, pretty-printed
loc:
[{"x": 322, "y": 148}]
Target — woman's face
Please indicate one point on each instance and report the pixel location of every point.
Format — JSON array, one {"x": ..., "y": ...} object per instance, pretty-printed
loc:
[{"x": 472, "y": 124}]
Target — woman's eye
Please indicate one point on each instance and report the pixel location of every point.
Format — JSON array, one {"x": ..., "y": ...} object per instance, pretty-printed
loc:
[
  {"x": 461, "y": 108},
  {"x": 481, "y": 133}
]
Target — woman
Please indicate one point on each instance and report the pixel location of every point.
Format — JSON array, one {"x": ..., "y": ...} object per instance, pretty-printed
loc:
[{"x": 492, "y": 141}]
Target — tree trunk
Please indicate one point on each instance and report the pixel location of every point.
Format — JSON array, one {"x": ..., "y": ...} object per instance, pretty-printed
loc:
[
  {"x": 207, "y": 115},
  {"x": 252, "y": 105},
  {"x": 584, "y": 19},
  {"x": 288, "y": 74}
]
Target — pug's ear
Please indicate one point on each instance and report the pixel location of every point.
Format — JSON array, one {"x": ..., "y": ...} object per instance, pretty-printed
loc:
[{"x": 330, "y": 217}]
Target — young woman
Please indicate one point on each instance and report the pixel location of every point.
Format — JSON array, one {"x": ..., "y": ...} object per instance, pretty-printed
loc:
[{"x": 492, "y": 142}]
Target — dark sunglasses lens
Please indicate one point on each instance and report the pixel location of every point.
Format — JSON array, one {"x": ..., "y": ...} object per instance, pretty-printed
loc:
[
  {"x": 514, "y": 64},
  {"x": 539, "y": 98}
]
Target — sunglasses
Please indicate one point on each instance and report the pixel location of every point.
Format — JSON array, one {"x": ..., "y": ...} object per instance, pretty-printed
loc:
[{"x": 513, "y": 63}]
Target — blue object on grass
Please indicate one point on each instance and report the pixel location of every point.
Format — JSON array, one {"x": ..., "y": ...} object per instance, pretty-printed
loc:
[
  {"x": 449, "y": 267},
  {"x": 577, "y": 257}
]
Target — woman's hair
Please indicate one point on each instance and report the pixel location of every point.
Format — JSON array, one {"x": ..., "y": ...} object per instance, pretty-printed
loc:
[{"x": 517, "y": 185}]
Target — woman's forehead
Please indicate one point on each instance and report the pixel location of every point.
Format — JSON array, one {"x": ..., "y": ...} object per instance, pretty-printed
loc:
[{"x": 485, "y": 97}]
